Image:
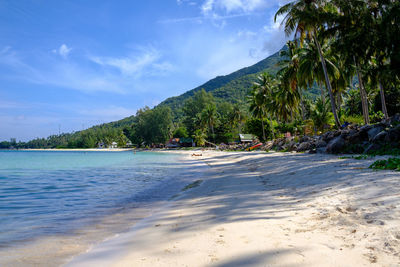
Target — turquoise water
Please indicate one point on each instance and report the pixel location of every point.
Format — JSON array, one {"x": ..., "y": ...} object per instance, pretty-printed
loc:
[{"x": 56, "y": 192}]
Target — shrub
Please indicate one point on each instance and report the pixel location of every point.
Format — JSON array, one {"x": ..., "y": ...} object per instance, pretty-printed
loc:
[{"x": 390, "y": 164}]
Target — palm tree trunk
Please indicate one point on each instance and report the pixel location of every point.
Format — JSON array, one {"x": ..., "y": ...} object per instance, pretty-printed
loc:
[
  {"x": 263, "y": 130},
  {"x": 384, "y": 109},
  {"x": 271, "y": 127},
  {"x": 302, "y": 106},
  {"x": 322, "y": 92},
  {"x": 363, "y": 94},
  {"x": 328, "y": 83}
]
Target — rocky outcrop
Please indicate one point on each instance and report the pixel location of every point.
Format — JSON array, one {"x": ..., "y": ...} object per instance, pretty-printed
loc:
[{"x": 352, "y": 139}]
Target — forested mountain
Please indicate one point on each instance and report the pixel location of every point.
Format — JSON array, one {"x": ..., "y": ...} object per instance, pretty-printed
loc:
[{"x": 233, "y": 87}]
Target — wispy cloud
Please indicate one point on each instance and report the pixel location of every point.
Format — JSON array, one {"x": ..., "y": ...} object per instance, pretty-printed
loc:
[
  {"x": 147, "y": 62},
  {"x": 108, "y": 113},
  {"x": 79, "y": 75}
]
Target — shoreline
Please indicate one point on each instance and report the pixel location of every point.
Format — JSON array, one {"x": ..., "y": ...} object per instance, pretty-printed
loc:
[
  {"x": 274, "y": 209},
  {"x": 57, "y": 249}
]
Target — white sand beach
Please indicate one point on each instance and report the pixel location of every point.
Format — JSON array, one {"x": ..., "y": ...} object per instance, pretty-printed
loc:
[{"x": 268, "y": 209}]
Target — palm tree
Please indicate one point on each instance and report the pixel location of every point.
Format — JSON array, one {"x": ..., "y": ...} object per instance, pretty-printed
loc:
[
  {"x": 320, "y": 115},
  {"x": 199, "y": 137},
  {"x": 209, "y": 116},
  {"x": 289, "y": 75},
  {"x": 304, "y": 18},
  {"x": 237, "y": 116},
  {"x": 351, "y": 29},
  {"x": 257, "y": 107},
  {"x": 262, "y": 102},
  {"x": 310, "y": 69}
]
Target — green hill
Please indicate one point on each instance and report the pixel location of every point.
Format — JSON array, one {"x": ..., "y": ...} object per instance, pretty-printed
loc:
[{"x": 232, "y": 87}]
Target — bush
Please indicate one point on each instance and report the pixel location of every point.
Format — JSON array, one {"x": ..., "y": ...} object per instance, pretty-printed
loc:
[
  {"x": 390, "y": 164},
  {"x": 355, "y": 119}
]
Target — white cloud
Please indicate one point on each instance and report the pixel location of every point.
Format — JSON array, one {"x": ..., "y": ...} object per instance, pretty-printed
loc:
[
  {"x": 232, "y": 6},
  {"x": 63, "y": 51}
]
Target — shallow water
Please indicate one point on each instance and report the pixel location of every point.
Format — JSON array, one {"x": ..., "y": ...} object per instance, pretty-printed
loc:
[{"x": 48, "y": 194}]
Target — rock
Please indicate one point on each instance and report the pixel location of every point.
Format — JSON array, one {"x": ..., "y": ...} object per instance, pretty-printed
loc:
[
  {"x": 321, "y": 150},
  {"x": 304, "y": 138},
  {"x": 320, "y": 143},
  {"x": 292, "y": 145},
  {"x": 380, "y": 137},
  {"x": 395, "y": 119},
  {"x": 313, "y": 151},
  {"x": 268, "y": 145},
  {"x": 336, "y": 145},
  {"x": 305, "y": 146},
  {"x": 372, "y": 148},
  {"x": 328, "y": 136},
  {"x": 374, "y": 131},
  {"x": 393, "y": 135}
]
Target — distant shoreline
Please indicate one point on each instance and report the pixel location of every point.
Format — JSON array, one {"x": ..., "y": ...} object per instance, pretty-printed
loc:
[{"x": 75, "y": 149}]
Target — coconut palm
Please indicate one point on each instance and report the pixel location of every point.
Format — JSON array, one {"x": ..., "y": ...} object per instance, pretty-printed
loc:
[
  {"x": 351, "y": 29},
  {"x": 257, "y": 106},
  {"x": 199, "y": 137},
  {"x": 304, "y": 17},
  {"x": 264, "y": 90},
  {"x": 209, "y": 117},
  {"x": 320, "y": 115}
]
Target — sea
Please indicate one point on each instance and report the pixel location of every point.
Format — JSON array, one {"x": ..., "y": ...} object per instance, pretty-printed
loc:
[{"x": 56, "y": 204}]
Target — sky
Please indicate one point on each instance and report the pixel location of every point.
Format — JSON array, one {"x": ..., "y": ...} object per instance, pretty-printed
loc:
[{"x": 68, "y": 65}]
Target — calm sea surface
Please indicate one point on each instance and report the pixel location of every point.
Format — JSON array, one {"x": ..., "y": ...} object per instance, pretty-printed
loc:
[{"x": 56, "y": 192}]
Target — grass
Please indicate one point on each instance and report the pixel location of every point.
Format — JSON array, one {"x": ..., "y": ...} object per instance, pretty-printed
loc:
[
  {"x": 192, "y": 185},
  {"x": 389, "y": 164}
]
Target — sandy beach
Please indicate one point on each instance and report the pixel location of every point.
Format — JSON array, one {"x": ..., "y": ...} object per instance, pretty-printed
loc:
[{"x": 267, "y": 209}]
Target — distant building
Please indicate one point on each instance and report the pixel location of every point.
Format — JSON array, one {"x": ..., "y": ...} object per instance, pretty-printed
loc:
[
  {"x": 129, "y": 144},
  {"x": 247, "y": 138},
  {"x": 186, "y": 142},
  {"x": 173, "y": 143},
  {"x": 114, "y": 145}
]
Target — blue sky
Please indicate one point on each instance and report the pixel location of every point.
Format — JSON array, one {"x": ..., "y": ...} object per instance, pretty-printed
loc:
[{"x": 75, "y": 64}]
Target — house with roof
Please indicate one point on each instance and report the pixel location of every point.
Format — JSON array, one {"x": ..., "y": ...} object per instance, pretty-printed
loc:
[{"x": 247, "y": 138}]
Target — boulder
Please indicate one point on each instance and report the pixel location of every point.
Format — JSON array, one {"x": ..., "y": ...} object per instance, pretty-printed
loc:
[
  {"x": 320, "y": 143},
  {"x": 305, "y": 146},
  {"x": 304, "y": 138},
  {"x": 372, "y": 148},
  {"x": 336, "y": 145},
  {"x": 374, "y": 131},
  {"x": 268, "y": 145},
  {"x": 328, "y": 136},
  {"x": 380, "y": 137},
  {"x": 393, "y": 135},
  {"x": 395, "y": 119}
]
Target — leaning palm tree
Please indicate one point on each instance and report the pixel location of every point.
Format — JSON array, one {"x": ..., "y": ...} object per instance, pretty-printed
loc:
[
  {"x": 310, "y": 68},
  {"x": 304, "y": 18}
]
